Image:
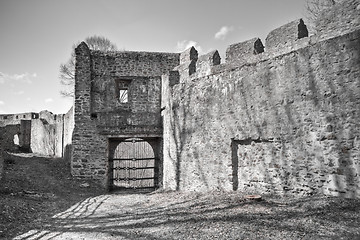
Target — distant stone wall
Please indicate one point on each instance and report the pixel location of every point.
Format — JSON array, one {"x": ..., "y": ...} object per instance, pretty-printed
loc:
[
  {"x": 281, "y": 121},
  {"x": 7, "y": 137},
  {"x": 47, "y": 134},
  {"x": 42, "y": 137},
  {"x": 1, "y": 156},
  {"x": 25, "y": 135},
  {"x": 68, "y": 131}
]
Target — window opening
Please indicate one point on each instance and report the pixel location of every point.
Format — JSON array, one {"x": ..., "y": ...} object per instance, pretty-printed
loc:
[
  {"x": 123, "y": 95},
  {"x": 122, "y": 90}
]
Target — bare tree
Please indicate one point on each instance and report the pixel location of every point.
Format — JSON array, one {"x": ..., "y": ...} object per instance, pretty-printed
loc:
[{"x": 67, "y": 70}]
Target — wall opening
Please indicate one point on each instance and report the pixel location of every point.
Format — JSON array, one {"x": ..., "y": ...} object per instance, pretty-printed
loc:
[
  {"x": 134, "y": 165},
  {"x": 123, "y": 95},
  {"x": 122, "y": 90},
  {"x": 16, "y": 140}
]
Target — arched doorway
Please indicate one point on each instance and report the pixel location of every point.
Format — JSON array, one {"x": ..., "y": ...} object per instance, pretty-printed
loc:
[{"x": 133, "y": 165}]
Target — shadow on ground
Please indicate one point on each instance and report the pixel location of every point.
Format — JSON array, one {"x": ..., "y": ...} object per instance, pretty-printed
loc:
[{"x": 219, "y": 215}]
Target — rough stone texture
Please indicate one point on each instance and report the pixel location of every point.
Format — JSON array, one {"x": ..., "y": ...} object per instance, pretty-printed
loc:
[
  {"x": 280, "y": 121},
  {"x": 286, "y": 34},
  {"x": 188, "y": 55},
  {"x": 41, "y": 133},
  {"x": 13, "y": 119},
  {"x": 1, "y": 155},
  {"x": 206, "y": 62},
  {"x": 7, "y": 137},
  {"x": 42, "y": 137},
  {"x": 170, "y": 136},
  {"x": 286, "y": 124},
  {"x": 68, "y": 131},
  {"x": 99, "y": 115},
  {"x": 342, "y": 19},
  {"x": 25, "y": 136},
  {"x": 188, "y": 60},
  {"x": 240, "y": 51}
]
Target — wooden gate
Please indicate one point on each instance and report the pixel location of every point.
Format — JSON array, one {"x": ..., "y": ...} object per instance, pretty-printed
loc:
[{"x": 133, "y": 165}]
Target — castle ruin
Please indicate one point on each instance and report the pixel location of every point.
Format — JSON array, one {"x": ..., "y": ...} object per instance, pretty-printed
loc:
[{"x": 280, "y": 118}]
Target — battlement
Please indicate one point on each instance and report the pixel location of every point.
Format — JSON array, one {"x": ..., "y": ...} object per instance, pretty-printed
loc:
[
  {"x": 269, "y": 119},
  {"x": 275, "y": 117},
  {"x": 340, "y": 20}
]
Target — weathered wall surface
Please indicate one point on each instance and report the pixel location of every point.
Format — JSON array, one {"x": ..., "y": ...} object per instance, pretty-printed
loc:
[
  {"x": 140, "y": 72},
  {"x": 99, "y": 115},
  {"x": 7, "y": 137},
  {"x": 68, "y": 131},
  {"x": 59, "y": 135},
  {"x": 42, "y": 137},
  {"x": 25, "y": 135},
  {"x": 281, "y": 121},
  {"x": 47, "y": 134},
  {"x": 40, "y": 133},
  {"x": 1, "y": 155},
  {"x": 13, "y": 119},
  {"x": 342, "y": 19}
]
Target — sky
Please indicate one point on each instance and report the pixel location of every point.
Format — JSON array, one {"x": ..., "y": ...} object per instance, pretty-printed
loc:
[{"x": 36, "y": 36}]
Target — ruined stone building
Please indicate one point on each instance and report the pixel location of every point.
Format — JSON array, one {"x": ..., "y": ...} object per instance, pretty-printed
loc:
[
  {"x": 280, "y": 118},
  {"x": 275, "y": 117},
  {"x": 42, "y": 133}
]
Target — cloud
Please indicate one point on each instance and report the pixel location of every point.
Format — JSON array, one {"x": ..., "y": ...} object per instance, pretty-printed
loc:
[
  {"x": 49, "y": 100},
  {"x": 2, "y": 102},
  {"x": 223, "y": 32},
  {"x": 185, "y": 44},
  {"x": 24, "y": 77}
]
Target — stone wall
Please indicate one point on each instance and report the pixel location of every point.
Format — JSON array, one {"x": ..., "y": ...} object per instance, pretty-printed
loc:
[
  {"x": 25, "y": 135},
  {"x": 284, "y": 121},
  {"x": 42, "y": 137},
  {"x": 342, "y": 19},
  {"x": 7, "y": 137},
  {"x": 100, "y": 115},
  {"x": 68, "y": 131},
  {"x": 47, "y": 134},
  {"x": 13, "y": 119},
  {"x": 1, "y": 156}
]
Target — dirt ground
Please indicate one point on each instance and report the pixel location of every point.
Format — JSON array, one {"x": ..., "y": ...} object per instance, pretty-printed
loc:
[
  {"x": 33, "y": 189},
  {"x": 160, "y": 215}
]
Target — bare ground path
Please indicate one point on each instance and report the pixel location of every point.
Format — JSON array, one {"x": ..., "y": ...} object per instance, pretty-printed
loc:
[{"x": 217, "y": 215}]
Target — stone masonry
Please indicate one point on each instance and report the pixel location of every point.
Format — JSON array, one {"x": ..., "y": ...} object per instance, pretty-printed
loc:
[
  {"x": 280, "y": 121},
  {"x": 280, "y": 117},
  {"x": 100, "y": 116},
  {"x": 1, "y": 158},
  {"x": 42, "y": 133}
]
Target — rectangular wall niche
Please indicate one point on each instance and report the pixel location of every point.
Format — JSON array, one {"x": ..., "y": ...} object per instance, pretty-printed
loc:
[
  {"x": 122, "y": 90},
  {"x": 251, "y": 159}
]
